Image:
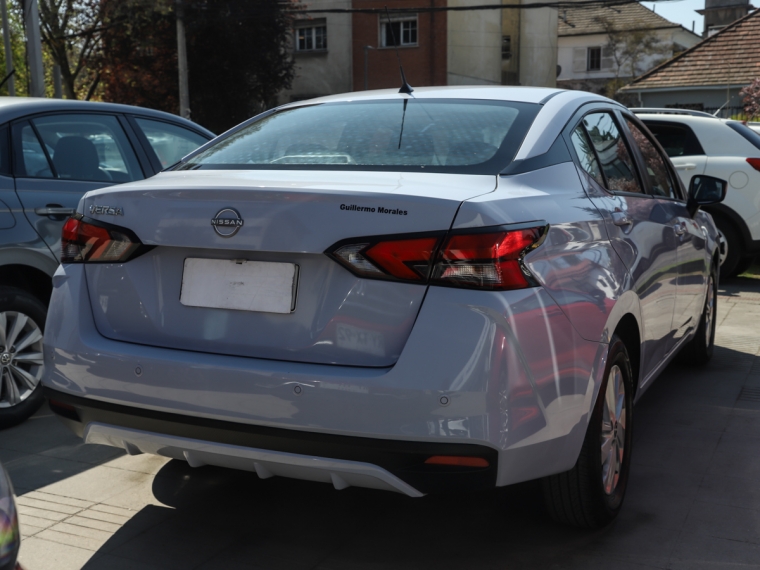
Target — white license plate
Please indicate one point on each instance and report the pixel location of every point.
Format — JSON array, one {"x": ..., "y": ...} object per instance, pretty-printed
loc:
[{"x": 239, "y": 285}]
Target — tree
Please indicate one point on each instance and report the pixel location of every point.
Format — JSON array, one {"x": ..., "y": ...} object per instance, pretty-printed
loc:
[
  {"x": 71, "y": 31},
  {"x": 751, "y": 94},
  {"x": 238, "y": 56},
  {"x": 630, "y": 50}
]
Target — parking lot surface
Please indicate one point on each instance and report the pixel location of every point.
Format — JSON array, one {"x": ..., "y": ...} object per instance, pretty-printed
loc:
[{"x": 693, "y": 498}]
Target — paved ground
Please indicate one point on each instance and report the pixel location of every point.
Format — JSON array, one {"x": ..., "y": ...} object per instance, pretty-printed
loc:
[{"x": 693, "y": 499}]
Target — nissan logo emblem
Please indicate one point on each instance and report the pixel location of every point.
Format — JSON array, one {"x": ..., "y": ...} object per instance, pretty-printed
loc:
[{"x": 227, "y": 222}]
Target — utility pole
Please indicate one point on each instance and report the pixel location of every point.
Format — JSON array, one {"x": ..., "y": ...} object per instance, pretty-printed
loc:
[
  {"x": 184, "y": 89},
  {"x": 8, "y": 53},
  {"x": 34, "y": 48}
]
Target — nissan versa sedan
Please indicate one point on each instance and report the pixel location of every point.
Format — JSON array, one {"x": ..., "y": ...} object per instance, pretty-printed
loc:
[{"x": 461, "y": 288}]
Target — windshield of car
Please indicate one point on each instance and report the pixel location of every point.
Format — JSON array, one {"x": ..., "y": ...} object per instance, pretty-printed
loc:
[
  {"x": 464, "y": 136},
  {"x": 746, "y": 132}
]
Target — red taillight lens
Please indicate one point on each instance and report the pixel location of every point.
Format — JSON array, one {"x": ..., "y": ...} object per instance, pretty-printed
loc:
[
  {"x": 754, "y": 163},
  {"x": 486, "y": 260},
  {"x": 407, "y": 259},
  {"x": 481, "y": 260},
  {"x": 85, "y": 242}
]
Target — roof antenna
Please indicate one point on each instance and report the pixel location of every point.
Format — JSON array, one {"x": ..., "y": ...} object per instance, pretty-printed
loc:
[{"x": 405, "y": 87}]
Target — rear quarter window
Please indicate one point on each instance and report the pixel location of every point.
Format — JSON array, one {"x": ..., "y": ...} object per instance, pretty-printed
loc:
[
  {"x": 751, "y": 136},
  {"x": 676, "y": 139}
]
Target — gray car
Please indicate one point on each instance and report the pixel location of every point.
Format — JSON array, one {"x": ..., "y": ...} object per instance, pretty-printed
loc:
[
  {"x": 464, "y": 288},
  {"x": 51, "y": 153}
]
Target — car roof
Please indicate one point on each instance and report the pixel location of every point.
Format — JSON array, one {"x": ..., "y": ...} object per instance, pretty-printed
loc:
[{"x": 16, "y": 107}]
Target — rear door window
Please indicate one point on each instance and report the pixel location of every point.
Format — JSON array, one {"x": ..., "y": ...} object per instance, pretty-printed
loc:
[
  {"x": 585, "y": 152},
  {"x": 614, "y": 157},
  {"x": 169, "y": 142},
  {"x": 79, "y": 147},
  {"x": 656, "y": 171},
  {"x": 676, "y": 139}
]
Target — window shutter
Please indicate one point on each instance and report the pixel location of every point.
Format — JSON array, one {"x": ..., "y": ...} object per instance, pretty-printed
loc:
[
  {"x": 579, "y": 59},
  {"x": 607, "y": 60}
]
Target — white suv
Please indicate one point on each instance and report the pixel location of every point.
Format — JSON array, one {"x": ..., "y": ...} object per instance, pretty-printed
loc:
[{"x": 699, "y": 143}]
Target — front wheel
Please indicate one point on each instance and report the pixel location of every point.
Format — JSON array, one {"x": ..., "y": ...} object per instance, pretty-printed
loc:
[
  {"x": 591, "y": 494},
  {"x": 699, "y": 350},
  {"x": 22, "y": 320}
]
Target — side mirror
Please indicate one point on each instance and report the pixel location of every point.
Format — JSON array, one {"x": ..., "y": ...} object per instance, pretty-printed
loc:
[{"x": 705, "y": 190}]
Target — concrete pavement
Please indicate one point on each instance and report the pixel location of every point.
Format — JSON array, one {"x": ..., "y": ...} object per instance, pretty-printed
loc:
[{"x": 693, "y": 499}]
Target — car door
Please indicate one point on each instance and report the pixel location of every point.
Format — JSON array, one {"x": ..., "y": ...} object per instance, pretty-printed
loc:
[
  {"x": 682, "y": 147},
  {"x": 640, "y": 229},
  {"x": 691, "y": 239},
  {"x": 59, "y": 157}
]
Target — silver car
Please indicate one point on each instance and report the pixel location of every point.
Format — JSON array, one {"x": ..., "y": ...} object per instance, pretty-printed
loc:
[{"x": 460, "y": 289}]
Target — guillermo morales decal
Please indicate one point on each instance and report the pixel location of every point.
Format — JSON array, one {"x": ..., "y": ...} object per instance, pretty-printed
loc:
[{"x": 379, "y": 209}]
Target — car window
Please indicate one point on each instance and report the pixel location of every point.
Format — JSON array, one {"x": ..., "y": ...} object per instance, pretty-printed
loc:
[
  {"x": 84, "y": 147},
  {"x": 439, "y": 135},
  {"x": 586, "y": 155},
  {"x": 169, "y": 142},
  {"x": 5, "y": 151},
  {"x": 656, "y": 169},
  {"x": 612, "y": 151},
  {"x": 746, "y": 132},
  {"x": 33, "y": 161},
  {"x": 675, "y": 139}
]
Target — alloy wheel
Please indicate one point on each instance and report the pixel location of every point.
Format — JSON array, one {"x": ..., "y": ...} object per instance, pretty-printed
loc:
[
  {"x": 613, "y": 430},
  {"x": 722, "y": 247},
  {"x": 21, "y": 357}
]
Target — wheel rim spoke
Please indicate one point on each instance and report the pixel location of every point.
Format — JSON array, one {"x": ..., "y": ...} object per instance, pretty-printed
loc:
[
  {"x": 31, "y": 337},
  {"x": 29, "y": 358},
  {"x": 11, "y": 391},
  {"x": 18, "y": 325},
  {"x": 26, "y": 378},
  {"x": 613, "y": 429}
]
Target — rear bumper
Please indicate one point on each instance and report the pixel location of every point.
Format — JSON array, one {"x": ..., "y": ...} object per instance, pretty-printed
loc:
[
  {"x": 503, "y": 372},
  {"x": 345, "y": 461}
]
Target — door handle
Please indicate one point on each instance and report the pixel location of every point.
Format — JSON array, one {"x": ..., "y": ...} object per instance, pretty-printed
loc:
[
  {"x": 680, "y": 228},
  {"x": 54, "y": 211},
  {"x": 687, "y": 166},
  {"x": 621, "y": 219}
]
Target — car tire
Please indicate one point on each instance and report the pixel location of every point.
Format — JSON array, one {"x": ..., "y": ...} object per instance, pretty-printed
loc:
[
  {"x": 591, "y": 494},
  {"x": 734, "y": 250},
  {"x": 699, "y": 350},
  {"x": 22, "y": 322}
]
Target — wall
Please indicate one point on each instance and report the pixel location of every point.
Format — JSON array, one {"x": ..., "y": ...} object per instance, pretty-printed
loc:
[
  {"x": 424, "y": 64},
  {"x": 474, "y": 46},
  {"x": 538, "y": 46},
  {"x": 325, "y": 72}
]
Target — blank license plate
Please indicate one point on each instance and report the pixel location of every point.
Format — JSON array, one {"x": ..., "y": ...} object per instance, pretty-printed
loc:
[{"x": 239, "y": 285}]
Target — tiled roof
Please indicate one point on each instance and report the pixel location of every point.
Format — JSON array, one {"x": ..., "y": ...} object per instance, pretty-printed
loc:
[
  {"x": 730, "y": 56},
  {"x": 582, "y": 21}
]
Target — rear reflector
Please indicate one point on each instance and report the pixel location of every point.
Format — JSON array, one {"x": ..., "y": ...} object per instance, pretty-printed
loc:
[
  {"x": 754, "y": 163},
  {"x": 479, "y": 260},
  {"x": 86, "y": 242},
  {"x": 457, "y": 461}
]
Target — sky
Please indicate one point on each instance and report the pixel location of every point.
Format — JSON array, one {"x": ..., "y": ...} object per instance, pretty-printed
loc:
[{"x": 680, "y": 11}]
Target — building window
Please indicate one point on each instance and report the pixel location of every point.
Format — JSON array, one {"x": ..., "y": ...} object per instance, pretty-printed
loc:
[
  {"x": 312, "y": 38},
  {"x": 404, "y": 28},
  {"x": 506, "y": 47},
  {"x": 594, "y": 59}
]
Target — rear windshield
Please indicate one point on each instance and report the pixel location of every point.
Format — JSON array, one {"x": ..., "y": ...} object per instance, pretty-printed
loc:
[
  {"x": 746, "y": 132},
  {"x": 430, "y": 135}
]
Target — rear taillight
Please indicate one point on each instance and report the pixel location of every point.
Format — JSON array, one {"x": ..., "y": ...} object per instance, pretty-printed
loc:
[
  {"x": 474, "y": 259},
  {"x": 86, "y": 242},
  {"x": 490, "y": 260},
  {"x": 754, "y": 163}
]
